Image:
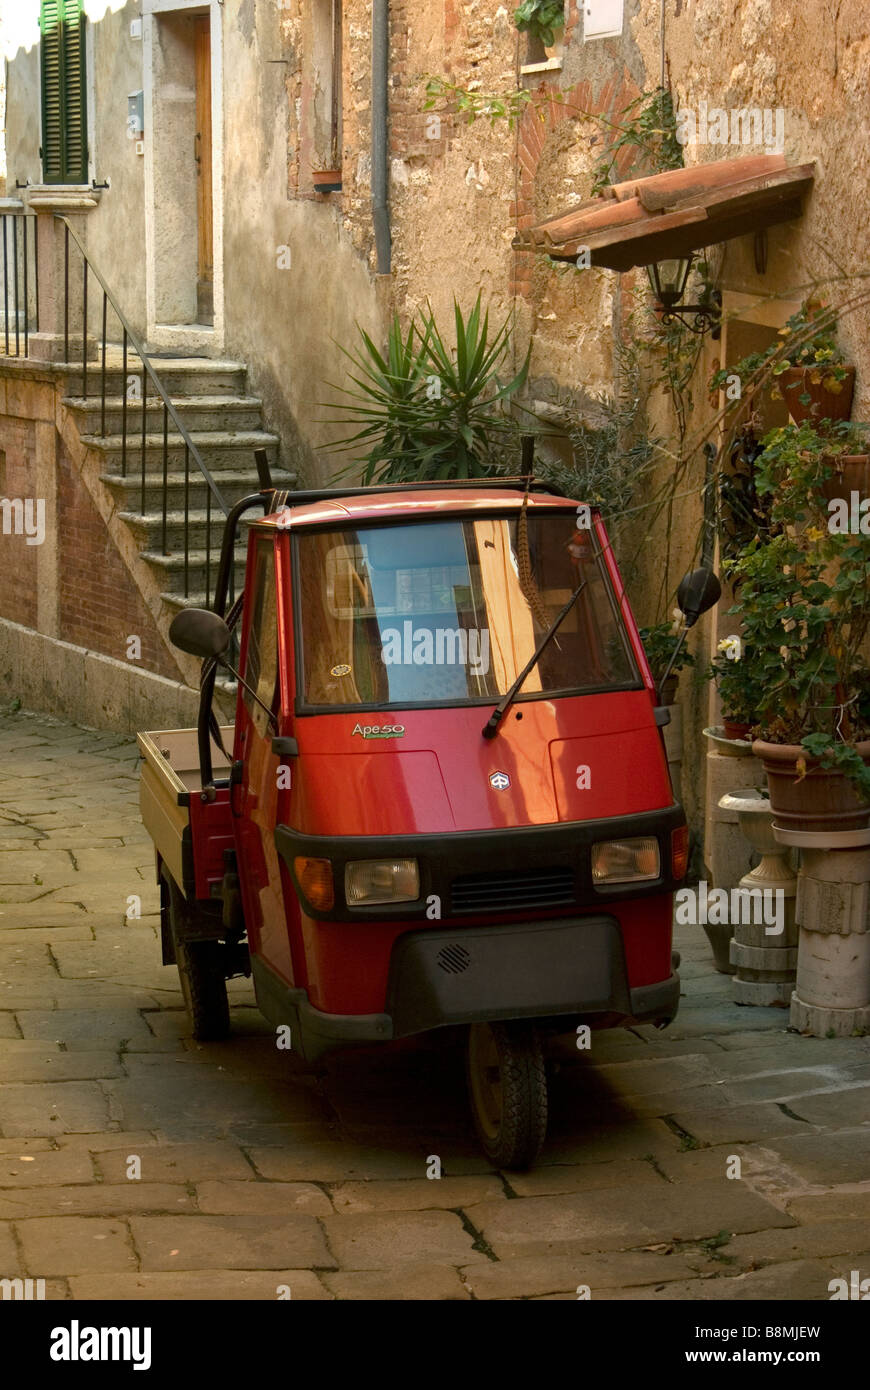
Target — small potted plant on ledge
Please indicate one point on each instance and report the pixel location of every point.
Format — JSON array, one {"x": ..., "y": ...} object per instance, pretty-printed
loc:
[
  {"x": 543, "y": 20},
  {"x": 806, "y": 368},
  {"x": 802, "y": 601},
  {"x": 811, "y": 376},
  {"x": 738, "y": 687},
  {"x": 326, "y": 173}
]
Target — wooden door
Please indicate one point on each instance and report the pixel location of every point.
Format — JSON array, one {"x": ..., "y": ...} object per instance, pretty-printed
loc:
[{"x": 202, "y": 152}]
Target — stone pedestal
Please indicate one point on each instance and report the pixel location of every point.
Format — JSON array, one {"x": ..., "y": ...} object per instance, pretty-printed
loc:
[
  {"x": 765, "y": 962},
  {"x": 61, "y": 281},
  {"x": 832, "y": 990},
  {"x": 727, "y": 852}
]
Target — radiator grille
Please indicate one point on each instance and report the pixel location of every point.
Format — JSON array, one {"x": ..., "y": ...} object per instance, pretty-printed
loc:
[{"x": 513, "y": 891}]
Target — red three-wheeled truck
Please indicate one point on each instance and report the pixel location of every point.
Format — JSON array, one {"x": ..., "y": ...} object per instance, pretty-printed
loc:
[{"x": 445, "y": 798}]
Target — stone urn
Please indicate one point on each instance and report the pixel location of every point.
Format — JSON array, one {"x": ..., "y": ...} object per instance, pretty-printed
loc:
[
  {"x": 764, "y": 957},
  {"x": 730, "y": 766}
]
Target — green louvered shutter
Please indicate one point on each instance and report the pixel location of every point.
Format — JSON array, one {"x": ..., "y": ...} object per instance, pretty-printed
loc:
[{"x": 64, "y": 113}]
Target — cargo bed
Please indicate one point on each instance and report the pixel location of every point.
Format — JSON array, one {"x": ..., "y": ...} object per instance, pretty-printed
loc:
[{"x": 189, "y": 835}]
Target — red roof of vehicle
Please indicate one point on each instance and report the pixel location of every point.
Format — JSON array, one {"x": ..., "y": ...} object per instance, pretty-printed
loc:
[{"x": 439, "y": 501}]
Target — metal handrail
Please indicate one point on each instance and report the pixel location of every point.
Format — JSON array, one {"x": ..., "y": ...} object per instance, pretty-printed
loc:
[
  {"x": 131, "y": 339},
  {"x": 19, "y": 275},
  {"x": 138, "y": 348}
]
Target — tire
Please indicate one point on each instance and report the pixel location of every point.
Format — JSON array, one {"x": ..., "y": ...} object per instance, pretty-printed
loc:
[
  {"x": 507, "y": 1090},
  {"x": 201, "y": 973}
]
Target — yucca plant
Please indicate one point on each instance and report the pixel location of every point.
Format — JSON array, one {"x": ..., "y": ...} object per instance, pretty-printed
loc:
[{"x": 426, "y": 410}]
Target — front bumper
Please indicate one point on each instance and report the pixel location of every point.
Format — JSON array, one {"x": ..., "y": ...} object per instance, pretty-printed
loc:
[
  {"x": 566, "y": 969},
  {"x": 555, "y": 854}
]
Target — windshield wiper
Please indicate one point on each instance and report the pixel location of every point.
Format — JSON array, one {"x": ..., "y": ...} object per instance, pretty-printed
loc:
[{"x": 490, "y": 728}]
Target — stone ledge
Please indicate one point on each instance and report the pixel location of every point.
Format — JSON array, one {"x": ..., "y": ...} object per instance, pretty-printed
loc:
[{"x": 98, "y": 691}]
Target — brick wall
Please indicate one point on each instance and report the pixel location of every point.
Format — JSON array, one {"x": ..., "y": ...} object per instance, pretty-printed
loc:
[
  {"x": 99, "y": 607},
  {"x": 17, "y": 558}
]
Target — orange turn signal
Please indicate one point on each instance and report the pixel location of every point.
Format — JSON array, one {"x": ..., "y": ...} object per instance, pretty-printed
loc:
[
  {"x": 679, "y": 851},
  {"x": 314, "y": 877}
]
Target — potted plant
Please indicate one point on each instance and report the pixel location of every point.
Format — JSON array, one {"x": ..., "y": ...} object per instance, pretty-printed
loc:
[
  {"x": 738, "y": 687},
  {"x": 659, "y": 641},
  {"x": 326, "y": 174},
  {"x": 543, "y": 20},
  {"x": 806, "y": 369},
  {"x": 801, "y": 599},
  {"x": 811, "y": 376}
]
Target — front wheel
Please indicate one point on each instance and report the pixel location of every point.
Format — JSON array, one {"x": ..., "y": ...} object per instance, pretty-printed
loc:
[{"x": 507, "y": 1089}]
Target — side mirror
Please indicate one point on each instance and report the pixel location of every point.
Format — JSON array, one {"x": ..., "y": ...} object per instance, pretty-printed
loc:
[
  {"x": 200, "y": 632},
  {"x": 698, "y": 591}
]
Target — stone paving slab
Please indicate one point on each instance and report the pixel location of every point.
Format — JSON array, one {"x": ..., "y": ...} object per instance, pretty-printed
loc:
[
  {"x": 269, "y": 1199},
  {"x": 423, "y": 1282},
  {"x": 46, "y": 1066},
  {"x": 620, "y": 1218},
  {"x": 797, "y": 1280},
  {"x": 10, "y": 1264},
  {"x": 76, "y": 1025},
  {"x": 230, "y": 1242},
  {"x": 67, "y": 1245},
  {"x": 531, "y": 1276},
  {"x": 415, "y": 1194},
  {"x": 52, "y": 1167},
  {"x": 46, "y": 1108},
  {"x": 817, "y": 1240},
  {"x": 229, "y": 1285},
  {"x": 382, "y": 1240},
  {"x": 95, "y": 1199},
  {"x": 180, "y": 1163},
  {"x": 827, "y": 1159}
]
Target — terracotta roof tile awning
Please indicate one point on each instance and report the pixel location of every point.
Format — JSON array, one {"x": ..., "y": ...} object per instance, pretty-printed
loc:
[{"x": 674, "y": 213}]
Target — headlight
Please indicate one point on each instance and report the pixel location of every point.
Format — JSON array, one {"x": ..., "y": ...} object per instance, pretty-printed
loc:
[
  {"x": 381, "y": 881},
  {"x": 625, "y": 861}
]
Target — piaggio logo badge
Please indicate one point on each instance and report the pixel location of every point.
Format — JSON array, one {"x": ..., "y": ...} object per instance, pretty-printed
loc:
[
  {"x": 500, "y": 781},
  {"x": 378, "y": 730}
]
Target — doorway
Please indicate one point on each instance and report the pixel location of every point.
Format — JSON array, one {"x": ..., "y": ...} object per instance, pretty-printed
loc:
[{"x": 183, "y": 212}]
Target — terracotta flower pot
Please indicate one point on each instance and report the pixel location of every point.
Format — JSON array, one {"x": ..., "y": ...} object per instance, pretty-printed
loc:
[
  {"x": 326, "y": 180},
  {"x": 822, "y": 800},
  {"x": 824, "y": 404},
  {"x": 851, "y": 473},
  {"x": 734, "y": 729}
]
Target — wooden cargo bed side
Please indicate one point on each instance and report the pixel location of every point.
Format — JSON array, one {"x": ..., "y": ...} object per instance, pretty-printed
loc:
[{"x": 169, "y": 777}]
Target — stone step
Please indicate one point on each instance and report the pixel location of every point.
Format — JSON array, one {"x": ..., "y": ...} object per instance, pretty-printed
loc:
[
  {"x": 221, "y": 450},
  {"x": 184, "y": 376},
  {"x": 171, "y": 569},
  {"x": 197, "y": 413},
  {"x": 148, "y": 529},
  {"x": 233, "y": 485}
]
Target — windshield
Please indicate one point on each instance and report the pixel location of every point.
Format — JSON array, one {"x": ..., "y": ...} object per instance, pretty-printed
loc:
[{"x": 451, "y": 611}]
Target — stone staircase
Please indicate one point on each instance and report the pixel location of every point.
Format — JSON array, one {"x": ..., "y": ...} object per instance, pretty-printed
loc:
[{"x": 224, "y": 422}]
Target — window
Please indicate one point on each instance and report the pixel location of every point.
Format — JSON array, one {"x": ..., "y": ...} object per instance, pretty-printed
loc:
[
  {"x": 451, "y": 611},
  {"x": 261, "y": 657},
  {"x": 64, "y": 114}
]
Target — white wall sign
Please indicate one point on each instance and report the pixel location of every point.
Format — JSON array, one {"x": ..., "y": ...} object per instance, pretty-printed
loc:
[{"x": 602, "y": 19}]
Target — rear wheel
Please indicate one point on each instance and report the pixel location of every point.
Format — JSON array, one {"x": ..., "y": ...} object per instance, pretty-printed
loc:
[
  {"x": 201, "y": 973},
  {"x": 507, "y": 1089}
]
